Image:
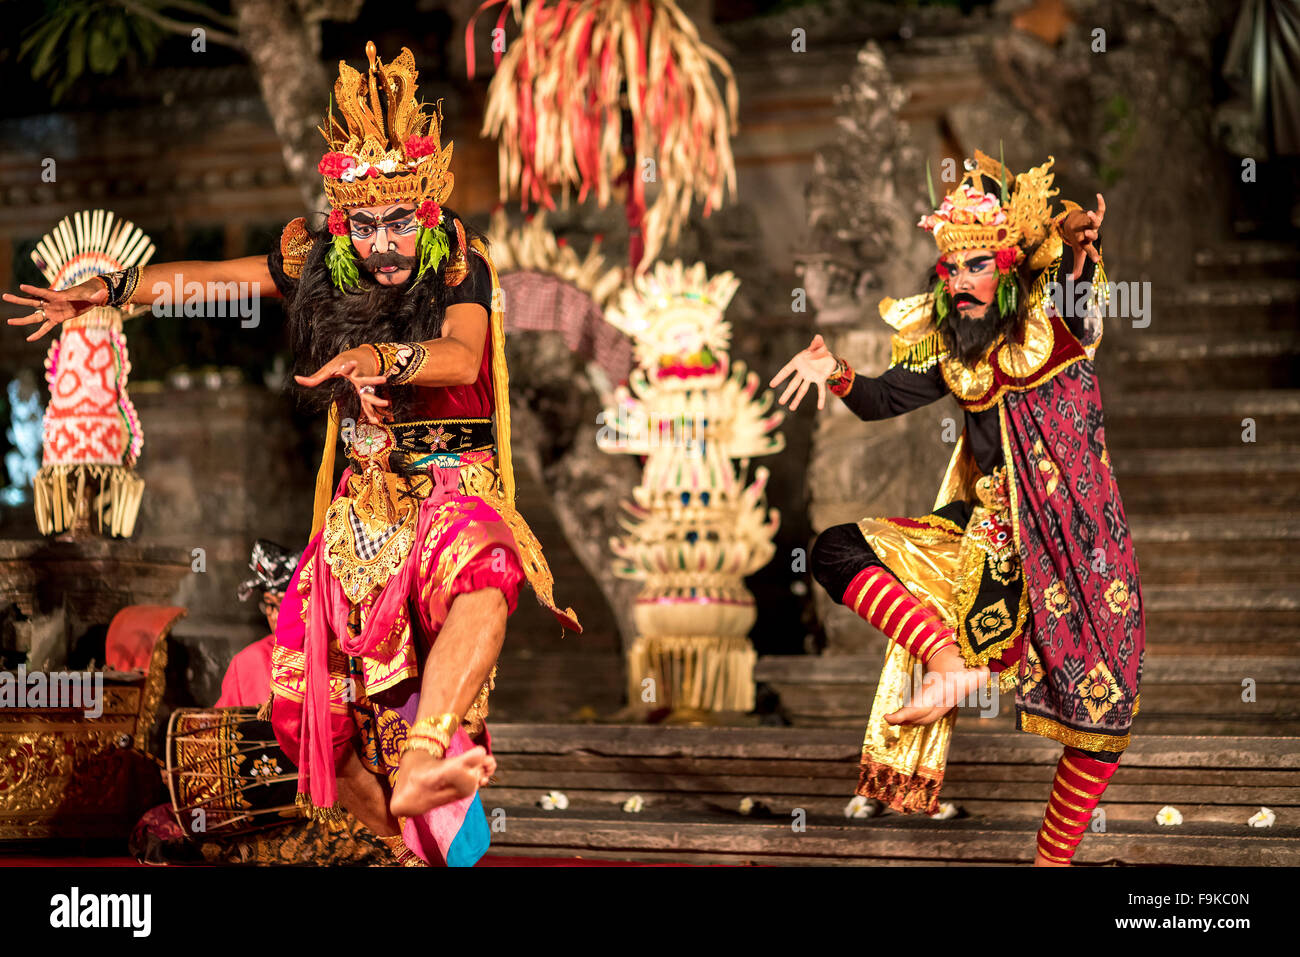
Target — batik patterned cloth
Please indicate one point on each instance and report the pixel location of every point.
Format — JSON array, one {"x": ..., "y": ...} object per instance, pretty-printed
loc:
[{"x": 1079, "y": 680}]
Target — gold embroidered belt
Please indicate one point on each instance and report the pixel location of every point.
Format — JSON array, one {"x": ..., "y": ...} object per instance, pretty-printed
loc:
[{"x": 408, "y": 448}]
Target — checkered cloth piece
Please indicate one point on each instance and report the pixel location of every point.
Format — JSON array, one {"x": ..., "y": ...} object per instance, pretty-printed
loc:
[{"x": 366, "y": 546}]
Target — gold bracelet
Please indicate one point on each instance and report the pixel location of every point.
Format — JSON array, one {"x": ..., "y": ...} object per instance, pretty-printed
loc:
[
  {"x": 422, "y": 742},
  {"x": 436, "y": 728}
]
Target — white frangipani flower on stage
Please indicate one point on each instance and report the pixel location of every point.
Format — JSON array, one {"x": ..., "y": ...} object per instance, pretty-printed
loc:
[
  {"x": 554, "y": 801},
  {"x": 946, "y": 812},
  {"x": 1262, "y": 818},
  {"x": 1169, "y": 816},
  {"x": 859, "y": 807}
]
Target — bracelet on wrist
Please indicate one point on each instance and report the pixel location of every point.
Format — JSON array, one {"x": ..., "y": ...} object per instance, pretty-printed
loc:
[
  {"x": 121, "y": 285},
  {"x": 400, "y": 362},
  {"x": 434, "y": 733},
  {"x": 425, "y": 743},
  {"x": 841, "y": 380}
]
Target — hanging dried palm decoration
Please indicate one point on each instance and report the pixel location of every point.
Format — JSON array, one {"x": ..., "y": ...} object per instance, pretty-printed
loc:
[{"x": 577, "y": 73}]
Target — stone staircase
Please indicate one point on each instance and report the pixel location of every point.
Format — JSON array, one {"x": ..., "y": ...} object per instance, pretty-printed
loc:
[
  {"x": 1214, "y": 516},
  {"x": 692, "y": 781}
]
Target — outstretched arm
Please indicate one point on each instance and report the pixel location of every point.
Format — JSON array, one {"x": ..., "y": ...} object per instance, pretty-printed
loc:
[
  {"x": 231, "y": 278},
  {"x": 897, "y": 391},
  {"x": 892, "y": 393}
]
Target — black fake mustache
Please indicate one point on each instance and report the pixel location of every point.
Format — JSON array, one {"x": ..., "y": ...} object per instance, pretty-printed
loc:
[
  {"x": 377, "y": 261},
  {"x": 964, "y": 297}
]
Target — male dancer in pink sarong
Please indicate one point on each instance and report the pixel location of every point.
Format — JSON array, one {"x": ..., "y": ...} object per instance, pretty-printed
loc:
[{"x": 391, "y": 626}]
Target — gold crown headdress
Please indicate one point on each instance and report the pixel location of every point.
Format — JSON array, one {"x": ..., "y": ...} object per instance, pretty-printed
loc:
[
  {"x": 387, "y": 148},
  {"x": 971, "y": 217}
]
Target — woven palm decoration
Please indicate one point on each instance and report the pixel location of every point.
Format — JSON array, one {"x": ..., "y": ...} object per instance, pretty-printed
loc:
[
  {"x": 93, "y": 438},
  {"x": 556, "y": 108},
  {"x": 697, "y": 525}
]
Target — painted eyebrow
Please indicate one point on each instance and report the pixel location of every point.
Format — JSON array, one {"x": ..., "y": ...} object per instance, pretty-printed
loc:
[
  {"x": 979, "y": 260},
  {"x": 364, "y": 219},
  {"x": 397, "y": 215}
]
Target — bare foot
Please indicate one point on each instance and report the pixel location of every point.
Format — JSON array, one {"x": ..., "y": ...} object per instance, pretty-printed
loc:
[
  {"x": 946, "y": 684},
  {"x": 425, "y": 782}
]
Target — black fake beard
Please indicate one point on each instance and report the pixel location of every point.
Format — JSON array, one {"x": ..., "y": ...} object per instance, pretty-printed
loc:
[
  {"x": 969, "y": 338},
  {"x": 326, "y": 321}
]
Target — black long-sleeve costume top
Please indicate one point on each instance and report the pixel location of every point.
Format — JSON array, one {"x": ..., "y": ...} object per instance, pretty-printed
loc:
[{"x": 900, "y": 390}]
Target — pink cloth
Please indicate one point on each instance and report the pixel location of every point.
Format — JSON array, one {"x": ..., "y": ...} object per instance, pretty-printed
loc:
[
  {"x": 248, "y": 679},
  {"x": 318, "y": 737}
]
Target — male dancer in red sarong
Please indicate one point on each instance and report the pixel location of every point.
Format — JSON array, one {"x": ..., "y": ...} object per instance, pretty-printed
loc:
[{"x": 1025, "y": 569}]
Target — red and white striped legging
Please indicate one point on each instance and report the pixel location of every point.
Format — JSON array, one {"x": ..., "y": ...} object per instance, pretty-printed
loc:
[
  {"x": 876, "y": 595},
  {"x": 1076, "y": 791},
  {"x": 1081, "y": 778}
]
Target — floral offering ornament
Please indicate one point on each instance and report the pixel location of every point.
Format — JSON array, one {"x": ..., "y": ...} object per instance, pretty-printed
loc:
[
  {"x": 334, "y": 165},
  {"x": 554, "y": 801},
  {"x": 429, "y": 214},
  {"x": 418, "y": 147},
  {"x": 965, "y": 206},
  {"x": 338, "y": 223}
]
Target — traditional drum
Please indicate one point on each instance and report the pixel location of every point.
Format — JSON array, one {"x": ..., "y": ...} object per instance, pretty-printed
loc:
[{"x": 226, "y": 773}]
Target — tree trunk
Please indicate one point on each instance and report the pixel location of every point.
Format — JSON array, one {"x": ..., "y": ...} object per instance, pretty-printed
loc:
[{"x": 294, "y": 85}]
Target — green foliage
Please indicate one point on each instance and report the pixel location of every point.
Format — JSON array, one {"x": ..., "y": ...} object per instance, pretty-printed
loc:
[
  {"x": 942, "y": 302},
  {"x": 341, "y": 259},
  {"x": 77, "y": 37},
  {"x": 432, "y": 246},
  {"x": 1007, "y": 293}
]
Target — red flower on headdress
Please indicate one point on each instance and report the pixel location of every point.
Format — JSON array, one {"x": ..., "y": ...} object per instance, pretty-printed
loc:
[
  {"x": 339, "y": 223},
  {"x": 429, "y": 213},
  {"x": 941, "y": 268},
  {"x": 1006, "y": 258},
  {"x": 417, "y": 146},
  {"x": 333, "y": 164}
]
